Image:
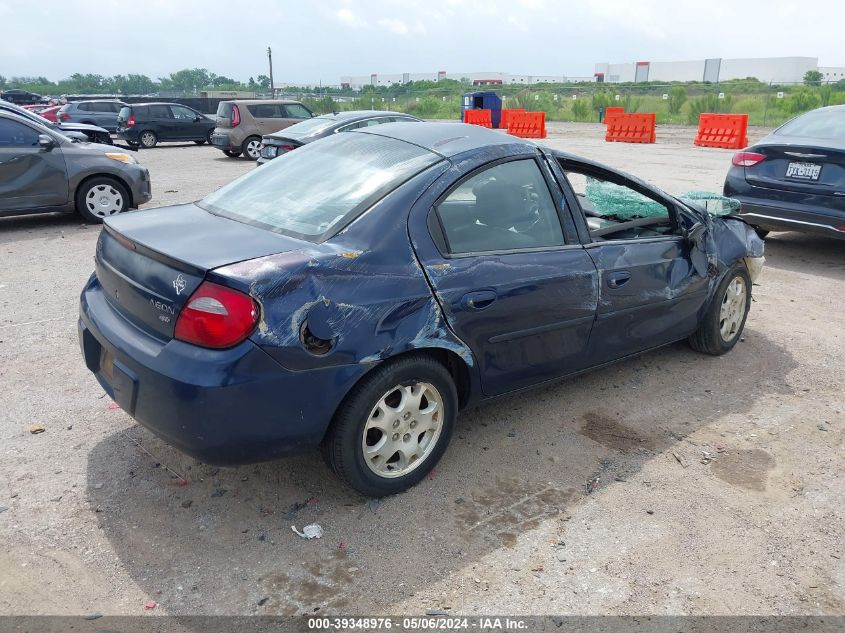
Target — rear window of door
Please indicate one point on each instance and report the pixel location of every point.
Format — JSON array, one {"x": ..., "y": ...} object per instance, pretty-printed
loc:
[
  {"x": 505, "y": 207},
  {"x": 266, "y": 111},
  {"x": 159, "y": 112},
  {"x": 182, "y": 113},
  {"x": 296, "y": 111}
]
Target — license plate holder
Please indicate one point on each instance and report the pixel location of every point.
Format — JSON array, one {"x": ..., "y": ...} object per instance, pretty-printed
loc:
[{"x": 804, "y": 171}]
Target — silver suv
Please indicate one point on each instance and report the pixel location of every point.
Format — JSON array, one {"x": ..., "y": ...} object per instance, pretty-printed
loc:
[
  {"x": 242, "y": 123},
  {"x": 102, "y": 112}
]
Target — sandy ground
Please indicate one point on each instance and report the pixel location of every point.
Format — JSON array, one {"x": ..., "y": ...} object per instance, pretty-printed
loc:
[{"x": 719, "y": 480}]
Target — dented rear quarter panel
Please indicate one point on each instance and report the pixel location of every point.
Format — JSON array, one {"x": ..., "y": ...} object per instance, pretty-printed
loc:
[{"x": 366, "y": 294}]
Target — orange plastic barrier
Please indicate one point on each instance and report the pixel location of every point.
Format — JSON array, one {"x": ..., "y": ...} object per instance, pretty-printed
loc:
[
  {"x": 631, "y": 128},
  {"x": 610, "y": 111},
  {"x": 484, "y": 118},
  {"x": 729, "y": 131},
  {"x": 506, "y": 117},
  {"x": 527, "y": 124}
]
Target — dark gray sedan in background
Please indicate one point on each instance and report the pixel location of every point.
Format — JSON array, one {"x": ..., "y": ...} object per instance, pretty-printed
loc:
[
  {"x": 794, "y": 179},
  {"x": 42, "y": 171},
  {"x": 322, "y": 126}
]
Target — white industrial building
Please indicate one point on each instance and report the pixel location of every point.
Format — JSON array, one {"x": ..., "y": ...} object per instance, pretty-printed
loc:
[
  {"x": 474, "y": 78},
  {"x": 767, "y": 69}
]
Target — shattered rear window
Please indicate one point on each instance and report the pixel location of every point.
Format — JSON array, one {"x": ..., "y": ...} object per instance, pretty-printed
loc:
[{"x": 315, "y": 191}]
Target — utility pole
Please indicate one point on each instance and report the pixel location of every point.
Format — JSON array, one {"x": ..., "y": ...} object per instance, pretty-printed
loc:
[{"x": 270, "y": 59}]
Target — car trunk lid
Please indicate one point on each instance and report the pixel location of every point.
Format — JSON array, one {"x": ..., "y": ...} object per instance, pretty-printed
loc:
[
  {"x": 150, "y": 263},
  {"x": 799, "y": 165}
]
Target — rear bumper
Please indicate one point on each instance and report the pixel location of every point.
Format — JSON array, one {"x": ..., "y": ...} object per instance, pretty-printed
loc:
[
  {"x": 785, "y": 211},
  {"x": 128, "y": 134},
  {"x": 224, "y": 141},
  {"x": 223, "y": 407}
]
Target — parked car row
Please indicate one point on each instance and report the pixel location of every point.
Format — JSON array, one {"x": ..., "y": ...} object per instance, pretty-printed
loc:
[{"x": 42, "y": 169}]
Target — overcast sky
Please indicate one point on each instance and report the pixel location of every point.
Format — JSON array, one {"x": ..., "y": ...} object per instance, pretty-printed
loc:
[{"x": 325, "y": 39}]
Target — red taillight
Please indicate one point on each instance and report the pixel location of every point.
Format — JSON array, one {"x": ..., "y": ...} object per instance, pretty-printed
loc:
[
  {"x": 217, "y": 317},
  {"x": 287, "y": 147},
  {"x": 130, "y": 122},
  {"x": 64, "y": 116},
  {"x": 747, "y": 159},
  {"x": 236, "y": 116}
]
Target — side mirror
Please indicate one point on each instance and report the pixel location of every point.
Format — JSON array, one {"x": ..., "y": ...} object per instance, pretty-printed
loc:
[
  {"x": 46, "y": 142},
  {"x": 695, "y": 232},
  {"x": 197, "y": 119}
]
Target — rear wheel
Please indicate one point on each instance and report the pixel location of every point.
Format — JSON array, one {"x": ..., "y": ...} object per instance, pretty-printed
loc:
[
  {"x": 148, "y": 139},
  {"x": 393, "y": 427},
  {"x": 101, "y": 197},
  {"x": 231, "y": 154},
  {"x": 251, "y": 148},
  {"x": 724, "y": 320}
]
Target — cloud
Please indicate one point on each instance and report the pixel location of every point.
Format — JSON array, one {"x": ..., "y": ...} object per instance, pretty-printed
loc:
[
  {"x": 394, "y": 25},
  {"x": 350, "y": 19}
]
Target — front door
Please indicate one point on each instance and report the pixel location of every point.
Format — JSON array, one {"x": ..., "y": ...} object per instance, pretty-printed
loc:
[
  {"x": 650, "y": 293},
  {"x": 514, "y": 286},
  {"x": 186, "y": 127},
  {"x": 31, "y": 177}
]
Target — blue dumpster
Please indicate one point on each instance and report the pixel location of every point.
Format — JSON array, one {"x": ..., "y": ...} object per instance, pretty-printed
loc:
[{"x": 487, "y": 100}]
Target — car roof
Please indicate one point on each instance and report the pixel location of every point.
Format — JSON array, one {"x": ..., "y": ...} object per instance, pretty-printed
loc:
[
  {"x": 258, "y": 101},
  {"x": 149, "y": 103},
  {"x": 354, "y": 115},
  {"x": 446, "y": 139}
]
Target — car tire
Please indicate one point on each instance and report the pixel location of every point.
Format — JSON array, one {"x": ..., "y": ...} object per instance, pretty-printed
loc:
[
  {"x": 251, "y": 147},
  {"x": 148, "y": 139},
  {"x": 101, "y": 197},
  {"x": 724, "y": 319},
  {"x": 393, "y": 395},
  {"x": 231, "y": 154}
]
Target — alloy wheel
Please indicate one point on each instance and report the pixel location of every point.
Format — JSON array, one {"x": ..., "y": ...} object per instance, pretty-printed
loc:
[
  {"x": 402, "y": 429},
  {"x": 732, "y": 310}
]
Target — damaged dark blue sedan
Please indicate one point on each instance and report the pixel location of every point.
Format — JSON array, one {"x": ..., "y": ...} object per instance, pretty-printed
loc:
[{"x": 355, "y": 294}]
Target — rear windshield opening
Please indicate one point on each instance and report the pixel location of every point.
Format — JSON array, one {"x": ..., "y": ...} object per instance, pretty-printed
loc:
[
  {"x": 315, "y": 191},
  {"x": 224, "y": 110},
  {"x": 309, "y": 126},
  {"x": 816, "y": 124}
]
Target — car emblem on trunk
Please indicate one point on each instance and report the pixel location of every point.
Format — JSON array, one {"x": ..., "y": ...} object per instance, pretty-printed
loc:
[{"x": 179, "y": 284}]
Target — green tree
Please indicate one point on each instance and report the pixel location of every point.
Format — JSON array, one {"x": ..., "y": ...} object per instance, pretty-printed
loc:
[
  {"x": 2, "y": 82},
  {"x": 813, "y": 78},
  {"x": 188, "y": 80},
  {"x": 263, "y": 81},
  {"x": 677, "y": 99}
]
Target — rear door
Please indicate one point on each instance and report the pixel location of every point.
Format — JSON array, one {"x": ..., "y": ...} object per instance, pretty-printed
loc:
[
  {"x": 160, "y": 121},
  {"x": 650, "y": 293},
  {"x": 30, "y": 176},
  {"x": 514, "y": 285},
  {"x": 268, "y": 117}
]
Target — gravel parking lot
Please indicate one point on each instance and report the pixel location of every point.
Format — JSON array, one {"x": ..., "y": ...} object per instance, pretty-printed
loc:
[{"x": 715, "y": 484}]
